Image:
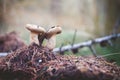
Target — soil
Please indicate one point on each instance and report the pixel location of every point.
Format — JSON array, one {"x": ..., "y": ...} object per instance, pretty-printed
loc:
[
  {"x": 39, "y": 63},
  {"x": 10, "y": 42}
]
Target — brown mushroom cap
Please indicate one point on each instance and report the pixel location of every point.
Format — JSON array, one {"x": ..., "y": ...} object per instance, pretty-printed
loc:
[
  {"x": 35, "y": 28},
  {"x": 53, "y": 31}
]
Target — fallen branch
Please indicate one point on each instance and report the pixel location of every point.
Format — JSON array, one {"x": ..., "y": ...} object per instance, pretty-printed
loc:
[{"x": 85, "y": 44}]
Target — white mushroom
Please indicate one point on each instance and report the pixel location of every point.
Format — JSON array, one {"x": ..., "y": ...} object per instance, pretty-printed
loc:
[
  {"x": 51, "y": 37},
  {"x": 35, "y": 30}
]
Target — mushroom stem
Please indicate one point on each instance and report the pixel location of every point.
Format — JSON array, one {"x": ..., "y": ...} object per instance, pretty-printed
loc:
[
  {"x": 51, "y": 42},
  {"x": 51, "y": 37},
  {"x": 34, "y": 38}
]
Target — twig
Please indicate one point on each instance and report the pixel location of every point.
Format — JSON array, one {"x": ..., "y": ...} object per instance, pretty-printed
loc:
[
  {"x": 74, "y": 37},
  {"x": 93, "y": 50},
  {"x": 109, "y": 54}
]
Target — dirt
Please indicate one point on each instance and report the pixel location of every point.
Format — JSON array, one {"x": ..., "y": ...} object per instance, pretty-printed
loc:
[
  {"x": 10, "y": 42},
  {"x": 39, "y": 63}
]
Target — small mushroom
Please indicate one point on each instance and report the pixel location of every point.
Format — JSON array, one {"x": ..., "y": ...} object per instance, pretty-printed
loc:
[
  {"x": 35, "y": 30},
  {"x": 51, "y": 36}
]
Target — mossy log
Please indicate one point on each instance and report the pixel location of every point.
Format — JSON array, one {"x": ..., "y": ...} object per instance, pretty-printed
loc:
[{"x": 39, "y": 63}]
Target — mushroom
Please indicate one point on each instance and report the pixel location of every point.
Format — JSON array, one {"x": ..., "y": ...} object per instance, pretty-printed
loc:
[
  {"x": 35, "y": 30},
  {"x": 51, "y": 36}
]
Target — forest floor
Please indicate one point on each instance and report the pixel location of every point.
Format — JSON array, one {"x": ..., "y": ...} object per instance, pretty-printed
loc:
[{"x": 34, "y": 62}]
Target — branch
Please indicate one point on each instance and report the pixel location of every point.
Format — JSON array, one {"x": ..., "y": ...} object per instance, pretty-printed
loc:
[{"x": 85, "y": 44}]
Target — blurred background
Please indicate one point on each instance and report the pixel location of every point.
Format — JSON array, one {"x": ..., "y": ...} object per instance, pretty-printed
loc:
[{"x": 91, "y": 18}]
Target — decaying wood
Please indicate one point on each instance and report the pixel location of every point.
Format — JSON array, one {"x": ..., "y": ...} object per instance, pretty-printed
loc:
[{"x": 39, "y": 63}]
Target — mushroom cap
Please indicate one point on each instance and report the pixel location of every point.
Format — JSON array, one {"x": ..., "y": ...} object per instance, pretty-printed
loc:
[
  {"x": 53, "y": 31},
  {"x": 35, "y": 28}
]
